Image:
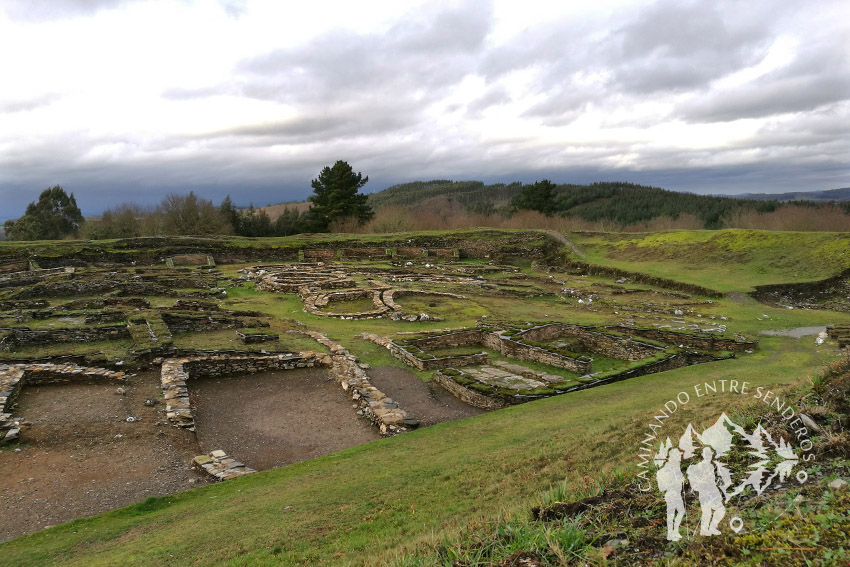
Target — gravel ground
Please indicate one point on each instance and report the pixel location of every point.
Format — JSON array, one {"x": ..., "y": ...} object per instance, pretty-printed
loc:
[
  {"x": 272, "y": 419},
  {"x": 426, "y": 401},
  {"x": 81, "y": 457}
]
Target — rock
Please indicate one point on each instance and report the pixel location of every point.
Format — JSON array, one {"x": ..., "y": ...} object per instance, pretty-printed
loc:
[
  {"x": 678, "y": 312},
  {"x": 131, "y": 419},
  {"x": 838, "y": 484},
  {"x": 12, "y": 434},
  {"x": 614, "y": 544},
  {"x": 150, "y": 402},
  {"x": 424, "y": 317},
  {"x": 120, "y": 391},
  {"x": 218, "y": 454}
]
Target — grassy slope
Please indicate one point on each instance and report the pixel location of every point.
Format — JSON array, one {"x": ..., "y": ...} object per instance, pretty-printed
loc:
[
  {"x": 727, "y": 260},
  {"x": 372, "y": 502}
]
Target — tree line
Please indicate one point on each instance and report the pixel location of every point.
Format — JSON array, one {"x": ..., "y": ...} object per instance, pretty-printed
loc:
[
  {"x": 336, "y": 205},
  {"x": 335, "y": 202}
]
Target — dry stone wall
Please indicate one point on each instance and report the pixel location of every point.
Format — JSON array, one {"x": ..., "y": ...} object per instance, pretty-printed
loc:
[
  {"x": 688, "y": 341},
  {"x": 28, "y": 337},
  {"x": 593, "y": 341}
]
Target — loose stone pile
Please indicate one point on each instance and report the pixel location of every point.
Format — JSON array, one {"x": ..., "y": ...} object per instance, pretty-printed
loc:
[
  {"x": 219, "y": 466},
  {"x": 15, "y": 376}
]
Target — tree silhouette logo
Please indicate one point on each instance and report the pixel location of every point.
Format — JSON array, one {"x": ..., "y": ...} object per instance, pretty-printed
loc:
[{"x": 718, "y": 464}]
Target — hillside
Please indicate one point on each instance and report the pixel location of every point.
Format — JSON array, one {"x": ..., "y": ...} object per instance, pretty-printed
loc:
[
  {"x": 727, "y": 260},
  {"x": 617, "y": 202},
  {"x": 417, "y": 498}
]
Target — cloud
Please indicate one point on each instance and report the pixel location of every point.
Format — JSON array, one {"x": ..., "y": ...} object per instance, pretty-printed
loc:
[
  {"x": 683, "y": 94},
  {"x": 35, "y": 11},
  {"x": 819, "y": 75},
  {"x": 674, "y": 46},
  {"x": 414, "y": 61},
  {"x": 28, "y": 104}
]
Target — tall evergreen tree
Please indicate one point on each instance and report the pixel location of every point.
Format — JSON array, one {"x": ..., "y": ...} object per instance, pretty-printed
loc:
[
  {"x": 229, "y": 211},
  {"x": 335, "y": 196},
  {"x": 539, "y": 196},
  {"x": 55, "y": 215}
]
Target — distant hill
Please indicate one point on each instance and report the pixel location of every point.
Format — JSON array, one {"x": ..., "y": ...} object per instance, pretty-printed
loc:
[
  {"x": 620, "y": 202},
  {"x": 275, "y": 211},
  {"x": 464, "y": 192},
  {"x": 842, "y": 194}
]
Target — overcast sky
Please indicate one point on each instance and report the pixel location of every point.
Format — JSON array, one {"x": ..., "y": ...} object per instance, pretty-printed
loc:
[{"x": 121, "y": 100}]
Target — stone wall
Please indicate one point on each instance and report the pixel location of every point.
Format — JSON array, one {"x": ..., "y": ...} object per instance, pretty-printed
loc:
[
  {"x": 13, "y": 377},
  {"x": 390, "y": 295},
  {"x": 314, "y": 302},
  {"x": 345, "y": 369},
  {"x": 29, "y": 277},
  {"x": 28, "y": 337},
  {"x": 521, "y": 351},
  {"x": 808, "y": 295},
  {"x": 671, "y": 362},
  {"x": 616, "y": 273},
  {"x": 688, "y": 341},
  {"x": 198, "y": 323},
  {"x": 176, "y": 371},
  {"x": 468, "y": 395},
  {"x": 487, "y": 339},
  {"x": 592, "y": 341}
]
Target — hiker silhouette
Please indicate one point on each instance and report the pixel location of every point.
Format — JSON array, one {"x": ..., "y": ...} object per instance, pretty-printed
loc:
[
  {"x": 671, "y": 482},
  {"x": 702, "y": 477}
]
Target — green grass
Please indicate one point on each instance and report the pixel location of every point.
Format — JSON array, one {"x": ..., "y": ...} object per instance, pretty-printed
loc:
[
  {"x": 726, "y": 260},
  {"x": 370, "y": 503},
  {"x": 400, "y": 497}
]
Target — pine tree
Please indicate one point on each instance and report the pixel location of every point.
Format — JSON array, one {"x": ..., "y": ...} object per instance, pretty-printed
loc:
[
  {"x": 336, "y": 197},
  {"x": 55, "y": 215}
]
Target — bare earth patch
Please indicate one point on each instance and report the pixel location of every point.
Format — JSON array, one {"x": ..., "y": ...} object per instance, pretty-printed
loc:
[
  {"x": 82, "y": 457},
  {"x": 271, "y": 419},
  {"x": 426, "y": 401}
]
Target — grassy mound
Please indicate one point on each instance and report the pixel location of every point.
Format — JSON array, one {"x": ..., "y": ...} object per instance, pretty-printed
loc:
[{"x": 727, "y": 260}]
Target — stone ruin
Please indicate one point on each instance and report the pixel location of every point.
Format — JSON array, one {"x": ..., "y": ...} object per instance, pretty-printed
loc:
[
  {"x": 478, "y": 381},
  {"x": 319, "y": 287}
]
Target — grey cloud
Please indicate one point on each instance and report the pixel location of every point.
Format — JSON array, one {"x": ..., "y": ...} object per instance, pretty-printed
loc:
[
  {"x": 494, "y": 96},
  {"x": 27, "y": 104},
  {"x": 766, "y": 98},
  {"x": 818, "y": 76},
  {"x": 416, "y": 61},
  {"x": 682, "y": 46},
  {"x": 316, "y": 127}
]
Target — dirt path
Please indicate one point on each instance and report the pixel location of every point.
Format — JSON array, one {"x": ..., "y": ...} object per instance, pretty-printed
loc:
[
  {"x": 566, "y": 242},
  {"x": 425, "y": 401},
  {"x": 81, "y": 457},
  {"x": 272, "y": 419}
]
